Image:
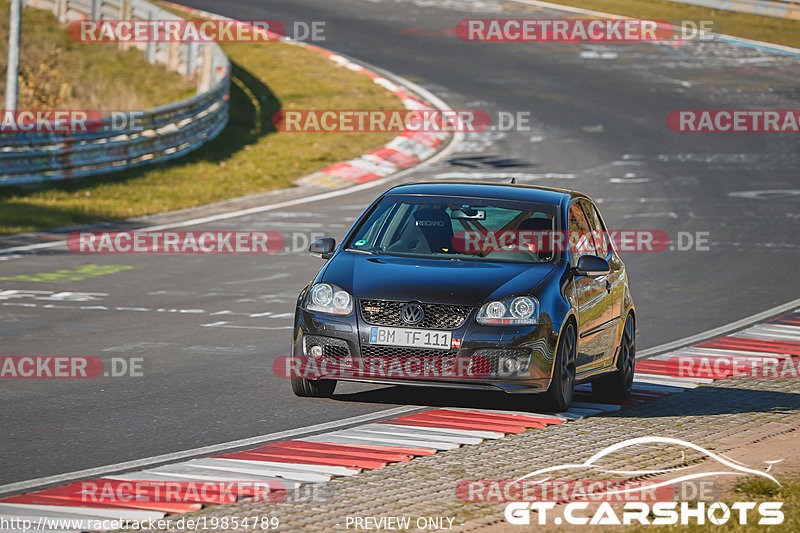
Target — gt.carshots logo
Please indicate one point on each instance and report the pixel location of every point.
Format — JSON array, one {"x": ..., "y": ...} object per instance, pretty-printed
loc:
[
  {"x": 381, "y": 120},
  {"x": 660, "y": 513},
  {"x": 624, "y": 502}
]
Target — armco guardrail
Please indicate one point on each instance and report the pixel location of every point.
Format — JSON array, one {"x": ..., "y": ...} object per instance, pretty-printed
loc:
[
  {"x": 161, "y": 134},
  {"x": 786, "y": 9}
]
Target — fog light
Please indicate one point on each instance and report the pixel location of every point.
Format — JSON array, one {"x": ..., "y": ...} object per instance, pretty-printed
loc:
[
  {"x": 506, "y": 362},
  {"x": 512, "y": 365},
  {"x": 315, "y": 351}
]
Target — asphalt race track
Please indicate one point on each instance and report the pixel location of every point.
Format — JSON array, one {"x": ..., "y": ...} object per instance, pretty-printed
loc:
[{"x": 208, "y": 327}]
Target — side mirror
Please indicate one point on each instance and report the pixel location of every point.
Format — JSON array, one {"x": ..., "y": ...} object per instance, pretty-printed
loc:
[
  {"x": 323, "y": 247},
  {"x": 591, "y": 265}
]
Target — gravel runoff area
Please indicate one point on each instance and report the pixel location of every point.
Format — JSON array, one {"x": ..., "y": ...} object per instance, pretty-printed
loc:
[{"x": 719, "y": 417}]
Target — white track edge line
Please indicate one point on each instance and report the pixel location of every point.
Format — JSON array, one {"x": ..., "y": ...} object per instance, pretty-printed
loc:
[
  {"x": 686, "y": 341},
  {"x": 23, "y": 485},
  {"x": 720, "y": 36},
  {"x": 156, "y": 459}
]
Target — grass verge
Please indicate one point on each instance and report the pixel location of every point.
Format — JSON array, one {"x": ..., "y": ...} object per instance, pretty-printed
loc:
[
  {"x": 59, "y": 73},
  {"x": 751, "y": 489},
  {"x": 757, "y": 27},
  {"x": 248, "y": 157}
]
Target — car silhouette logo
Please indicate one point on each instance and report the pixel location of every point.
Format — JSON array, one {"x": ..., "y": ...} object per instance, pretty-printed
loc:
[
  {"x": 675, "y": 475},
  {"x": 412, "y": 314}
]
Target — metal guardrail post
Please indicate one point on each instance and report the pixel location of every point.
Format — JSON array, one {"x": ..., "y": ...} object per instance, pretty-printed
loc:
[
  {"x": 150, "y": 50},
  {"x": 191, "y": 58},
  {"x": 173, "y": 56},
  {"x": 12, "y": 75},
  {"x": 206, "y": 69},
  {"x": 95, "y": 15},
  {"x": 126, "y": 15},
  {"x": 61, "y": 10}
]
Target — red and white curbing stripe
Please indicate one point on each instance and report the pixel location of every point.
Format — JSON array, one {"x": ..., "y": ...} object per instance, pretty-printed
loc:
[
  {"x": 285, "y": 465},
  {"x": 406, "y": 150}
]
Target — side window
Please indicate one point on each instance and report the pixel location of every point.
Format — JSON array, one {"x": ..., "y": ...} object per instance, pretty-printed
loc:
[
  {"x": 580, "y": 235},
  {"x": 598, "y": 231},
  {"x": 399, "y": 222},
  {"x": 376, "y": 224}
]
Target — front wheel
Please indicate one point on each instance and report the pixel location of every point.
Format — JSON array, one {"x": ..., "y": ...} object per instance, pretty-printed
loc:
[
  {"x": 313, "y": 388},
  {"x": 618, "y": 385},
  {"x": 559, "y": 393}
]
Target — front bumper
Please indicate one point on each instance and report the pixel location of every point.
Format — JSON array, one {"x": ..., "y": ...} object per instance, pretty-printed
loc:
[{"x": 477, "y": 359}]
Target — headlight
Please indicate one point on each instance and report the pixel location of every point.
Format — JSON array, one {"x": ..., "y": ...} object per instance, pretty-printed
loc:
[
  {"x": 329, "y": 299},
  {"x": 522, "y": 310}
]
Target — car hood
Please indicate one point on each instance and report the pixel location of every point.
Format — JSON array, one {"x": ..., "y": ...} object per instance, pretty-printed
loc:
[{"x": 431, "y": 280}]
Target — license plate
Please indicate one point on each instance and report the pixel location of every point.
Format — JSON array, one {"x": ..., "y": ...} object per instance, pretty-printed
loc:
[{"x": 417, "y": 338}]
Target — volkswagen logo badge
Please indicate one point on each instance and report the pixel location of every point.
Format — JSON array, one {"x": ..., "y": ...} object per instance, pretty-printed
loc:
[{"x": 412, "y": 314}]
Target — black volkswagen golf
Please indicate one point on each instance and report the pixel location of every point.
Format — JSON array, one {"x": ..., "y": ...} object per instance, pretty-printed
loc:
[{"x": 473, "y": 286}]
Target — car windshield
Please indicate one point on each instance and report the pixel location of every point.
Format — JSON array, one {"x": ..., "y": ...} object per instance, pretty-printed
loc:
[{"x": 457, "y": 229}]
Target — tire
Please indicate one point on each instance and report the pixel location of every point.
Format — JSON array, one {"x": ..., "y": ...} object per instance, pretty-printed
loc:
[
  {"x": 618, "y": 385},
  {"x": 559, "y": 393},
  {"x": 317, "y": 388}
]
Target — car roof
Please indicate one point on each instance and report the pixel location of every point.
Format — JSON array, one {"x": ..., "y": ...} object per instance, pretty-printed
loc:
[{"x": 501, "y": 191}]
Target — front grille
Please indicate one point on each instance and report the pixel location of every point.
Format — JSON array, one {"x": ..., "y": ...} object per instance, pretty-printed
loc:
[
  {"x": 437, "y": 316},
  {"x": 399, "y": 351},
  {"x": 400, "y": 362},
  {"x": 484, "y": 362}
]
